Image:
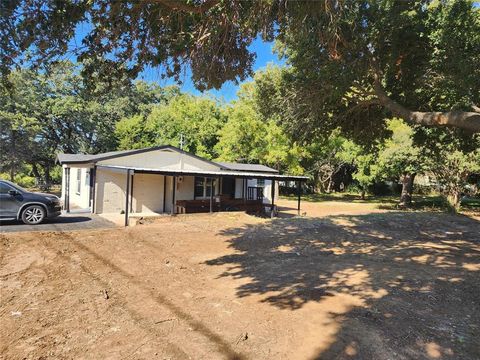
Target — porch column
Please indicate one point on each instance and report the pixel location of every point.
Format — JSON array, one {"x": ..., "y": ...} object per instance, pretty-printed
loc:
[
  {"x": 131, "y": 192},
  {"x": 94, "y": 181},
  {"x": 211, "y": 194},
  {"x": 244, "y": 190},
  {"x": 67, "y": 189},
  {"x": 272, "y": 213},
  {"x": 164, "y": 191},
  {"x": 127, "y": 196},
  {"x": 299, "y": 195},
  {"x": 174, "y": 182}
]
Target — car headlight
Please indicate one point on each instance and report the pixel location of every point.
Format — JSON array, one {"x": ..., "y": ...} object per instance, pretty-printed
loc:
[{"x": 53, "y": 199}]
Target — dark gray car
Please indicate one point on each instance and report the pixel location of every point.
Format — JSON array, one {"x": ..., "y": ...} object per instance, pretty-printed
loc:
[{"x": 32, "y": 208}]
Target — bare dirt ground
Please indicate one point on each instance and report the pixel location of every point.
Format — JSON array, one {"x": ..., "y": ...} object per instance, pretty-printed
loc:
[{"x": 357, "y": 284}]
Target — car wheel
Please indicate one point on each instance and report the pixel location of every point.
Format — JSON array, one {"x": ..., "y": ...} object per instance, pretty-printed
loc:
[{"x": 33, "y": 214}]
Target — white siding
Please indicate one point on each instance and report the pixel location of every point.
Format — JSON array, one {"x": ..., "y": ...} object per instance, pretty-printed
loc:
[
  {"x": 110, "y": 191},
  {"x": 239, "y": 188},
  {"x": 78, "y": 199},
  {"x": 147, "y": 193},
  {"x": 168, "y": 197},
  {"x": 185, "y": 188}
]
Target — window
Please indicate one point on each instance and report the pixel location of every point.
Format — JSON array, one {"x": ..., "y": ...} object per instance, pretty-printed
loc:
[
  {"x": 199, "y": 186},
  {"x": 260, "y": 182},
  {"x": 4, "y": 188},
  {"x": 79, "y": 180},
  {"x": 203, "y": 187}
]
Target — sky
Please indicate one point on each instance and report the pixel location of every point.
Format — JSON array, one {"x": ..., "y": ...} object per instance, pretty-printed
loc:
[{"x": 228, "y": 92}]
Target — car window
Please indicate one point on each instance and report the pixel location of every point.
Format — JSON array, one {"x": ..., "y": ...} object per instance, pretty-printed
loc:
[{"x": 4, "y": 188}]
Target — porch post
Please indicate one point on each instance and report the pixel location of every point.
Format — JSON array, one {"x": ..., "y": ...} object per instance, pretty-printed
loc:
[
  {"x": 67, "y": 189},
  {"x": 164, "y": 191},
  {"x": 245, "y": 184},
  {"x": 272, "y": 213},
  {"x": 131, "y": 192},
  {"x": 127, "y": 193},
  {"x": 174, "y": 181},
  {"x": 94, "y": 181},
  {"x": 299, "y": 195},
  {"x": 211, "y": 195}
]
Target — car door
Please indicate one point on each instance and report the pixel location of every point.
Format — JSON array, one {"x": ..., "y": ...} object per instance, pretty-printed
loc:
[{"x": 9, "y": 204}]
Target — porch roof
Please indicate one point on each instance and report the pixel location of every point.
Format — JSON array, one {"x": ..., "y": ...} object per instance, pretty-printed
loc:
[{"x": 207, "y": 173}]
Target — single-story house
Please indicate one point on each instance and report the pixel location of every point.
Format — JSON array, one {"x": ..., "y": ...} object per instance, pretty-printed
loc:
[{"x": 166, "y": 179}]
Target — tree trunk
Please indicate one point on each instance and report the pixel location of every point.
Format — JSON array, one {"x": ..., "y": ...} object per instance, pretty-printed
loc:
[
  {"x": 362, "y": 194},
  {"x": 35, "y": 172},
  {"x": 453, "y": 199},
  {"x": 329, "y": 186},
  {"x": 407, "y": 189},
  {"x": 46, "y": 176},
  {"x": 13, "y": 155}
]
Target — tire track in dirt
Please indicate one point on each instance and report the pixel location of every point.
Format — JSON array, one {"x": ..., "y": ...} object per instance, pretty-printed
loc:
[{"x": 222, "y": 346}]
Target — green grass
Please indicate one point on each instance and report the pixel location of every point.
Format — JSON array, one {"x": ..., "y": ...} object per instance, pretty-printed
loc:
[{"x": 419, "y": 202}]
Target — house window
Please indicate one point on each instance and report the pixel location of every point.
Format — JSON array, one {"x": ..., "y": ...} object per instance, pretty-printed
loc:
[
  {"x": 79, "y": 180},
  {"x": 199, "y": 186},
  {"x": 260, "y": 182},
  {"x": 203, "y": 187}
]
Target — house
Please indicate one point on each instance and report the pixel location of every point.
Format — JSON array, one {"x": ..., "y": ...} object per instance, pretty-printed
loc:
[{"x": 166, "y": 179}]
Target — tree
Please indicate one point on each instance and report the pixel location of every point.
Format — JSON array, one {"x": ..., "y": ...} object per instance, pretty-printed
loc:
[
  {"x": 400, "y": 158},
  {"x": 196, "y": 120},
  {"x": 453, "y": 171},
  {"x": 44, "y": 113},
  {"x": 350, "y": 60},
  {"x": 250, "y": 137},
  {"x": 243, "y": 136},
  {"x": 451, "y": 158}
]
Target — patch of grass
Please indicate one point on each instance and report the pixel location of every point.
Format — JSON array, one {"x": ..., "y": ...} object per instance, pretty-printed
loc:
[
  {"x": 419, "y": 202},
  {"x": 344, "y": 197}
]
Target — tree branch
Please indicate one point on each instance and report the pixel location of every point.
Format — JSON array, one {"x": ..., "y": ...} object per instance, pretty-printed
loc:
[
  {"x": 180, "y": 5},
  {"x": 460, "y": 119}
]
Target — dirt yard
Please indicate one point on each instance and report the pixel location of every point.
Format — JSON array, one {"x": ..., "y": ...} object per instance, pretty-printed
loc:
[{"x": 357, "y": 284}]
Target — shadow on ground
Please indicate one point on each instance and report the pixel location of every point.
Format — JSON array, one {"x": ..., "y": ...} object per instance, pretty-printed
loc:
[{"x": 409, "y": 282}]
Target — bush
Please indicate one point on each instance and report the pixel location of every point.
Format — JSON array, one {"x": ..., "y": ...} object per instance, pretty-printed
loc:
[
  {"x": 20, "y": 179},
  {"x": 24, "y": 180}
]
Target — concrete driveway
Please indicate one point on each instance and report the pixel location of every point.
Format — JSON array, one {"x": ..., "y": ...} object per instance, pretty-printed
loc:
[{"x": 65, "y": 222}]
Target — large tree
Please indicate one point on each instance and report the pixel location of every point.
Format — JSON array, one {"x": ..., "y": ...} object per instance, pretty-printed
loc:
[
  {"x": 44, "y": 113},
  {"x": 418, "y": 60},
  {"x": 189, "y": 121}
]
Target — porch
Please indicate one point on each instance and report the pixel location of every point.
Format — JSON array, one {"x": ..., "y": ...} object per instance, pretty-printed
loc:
[{"x": 209, "y": 192}]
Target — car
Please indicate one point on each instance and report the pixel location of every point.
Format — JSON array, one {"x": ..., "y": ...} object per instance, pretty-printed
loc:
[{"x": 32, "y": 208}]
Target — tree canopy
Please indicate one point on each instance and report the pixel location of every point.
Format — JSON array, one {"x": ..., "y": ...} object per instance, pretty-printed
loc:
[{"x": 418, "y": 60}]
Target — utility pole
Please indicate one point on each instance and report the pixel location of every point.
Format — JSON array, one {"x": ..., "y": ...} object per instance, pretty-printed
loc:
[{"x": 181, "y": 141}]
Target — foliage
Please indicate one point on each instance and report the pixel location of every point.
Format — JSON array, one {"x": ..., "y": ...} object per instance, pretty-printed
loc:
[
  {"x": 352, "y": 63},
  {"x": 196, "y": 120},
  {"x": 399, "y": 155},
  {"x": 49, "y": 112},
  {"x": 250, "y": 136}
]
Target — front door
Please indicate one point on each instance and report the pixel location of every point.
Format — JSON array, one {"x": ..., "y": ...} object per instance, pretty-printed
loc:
[{"x": 228, "y": 186}]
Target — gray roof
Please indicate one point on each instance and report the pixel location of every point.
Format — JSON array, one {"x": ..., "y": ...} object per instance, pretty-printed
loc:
[
  {"x": 247, "y": 167},
  {"x": 87, "y": 158},
  {"x": 213, "y": 173}
]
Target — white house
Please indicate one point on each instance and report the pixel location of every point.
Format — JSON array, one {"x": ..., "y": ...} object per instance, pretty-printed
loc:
[{"x": 165, "y": 179}]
